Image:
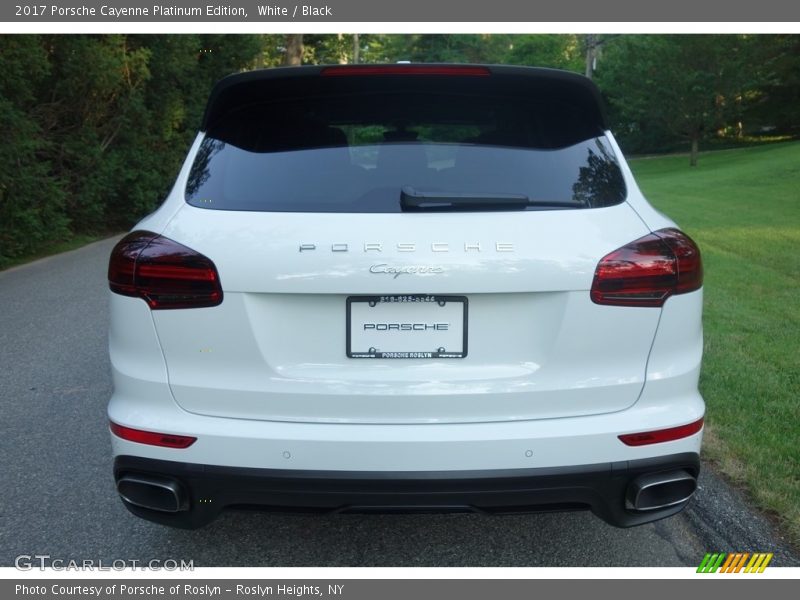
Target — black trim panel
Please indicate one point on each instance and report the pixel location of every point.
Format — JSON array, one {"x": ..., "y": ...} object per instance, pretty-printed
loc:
[{"x": 600, "y": 488}]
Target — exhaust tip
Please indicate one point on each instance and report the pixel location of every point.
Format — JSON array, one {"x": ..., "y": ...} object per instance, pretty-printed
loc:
[
  {"x": 155, "y": 493},
  {"x": 660, "y": 490}
]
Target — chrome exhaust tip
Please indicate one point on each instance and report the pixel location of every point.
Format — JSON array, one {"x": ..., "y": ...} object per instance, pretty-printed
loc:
[
  {"x": 155, "y": 493},
  {"x": 660, "y": 490}
]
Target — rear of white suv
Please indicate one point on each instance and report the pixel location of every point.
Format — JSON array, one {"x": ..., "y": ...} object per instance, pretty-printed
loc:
[{"x": 400, "y": 288}]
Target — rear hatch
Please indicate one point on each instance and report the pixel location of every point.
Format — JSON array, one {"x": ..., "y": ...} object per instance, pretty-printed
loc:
[{"x": 405, "y": 244}]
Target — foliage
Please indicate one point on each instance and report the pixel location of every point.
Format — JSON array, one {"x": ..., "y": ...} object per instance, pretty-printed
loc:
[
  {"x": 94, "y": 127},
  {"x": 554, "y": 51},
  {"x": 775, "y": 105},
  {"x": 665, "y": 88},
  {"x": 31, "y": 199}
]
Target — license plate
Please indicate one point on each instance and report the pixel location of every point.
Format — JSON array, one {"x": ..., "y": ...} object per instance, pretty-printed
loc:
[{"x": 415, "y": 326}]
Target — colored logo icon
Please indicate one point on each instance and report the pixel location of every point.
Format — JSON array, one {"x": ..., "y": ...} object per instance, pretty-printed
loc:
[{"x": 735, "y": 562}]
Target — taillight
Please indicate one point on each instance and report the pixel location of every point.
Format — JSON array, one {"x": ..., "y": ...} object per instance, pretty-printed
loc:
[
  {"x": 152, "y": 438},
  {"x": 661, "y": 435},
  {"x": 461, "y": 70},
  {"x": 163, "y": 272},
  {"x": 649, "y": 270}
]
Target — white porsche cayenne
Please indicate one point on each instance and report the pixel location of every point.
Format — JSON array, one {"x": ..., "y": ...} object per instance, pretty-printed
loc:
[{"x": 405, "y": 288}]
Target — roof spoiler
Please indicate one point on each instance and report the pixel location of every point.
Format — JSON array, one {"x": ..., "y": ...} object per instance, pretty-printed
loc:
[{"x": 261, "y": 85}]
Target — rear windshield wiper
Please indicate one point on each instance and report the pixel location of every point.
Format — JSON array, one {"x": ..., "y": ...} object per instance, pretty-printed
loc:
[{"x": 415, "y": 200}]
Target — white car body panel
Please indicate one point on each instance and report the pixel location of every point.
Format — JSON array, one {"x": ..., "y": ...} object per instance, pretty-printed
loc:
[
  {"x": 224, "y": 361},
  {"x": 670, "y": 399},
  {"x": 275, "y": 292}
]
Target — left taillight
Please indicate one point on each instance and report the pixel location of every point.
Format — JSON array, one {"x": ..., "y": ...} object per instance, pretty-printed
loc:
[{"x": 163, "y": 272}]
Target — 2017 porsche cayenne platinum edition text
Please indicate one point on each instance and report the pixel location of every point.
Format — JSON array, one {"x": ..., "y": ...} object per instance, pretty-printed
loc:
[{"x": 405, "y": 288}]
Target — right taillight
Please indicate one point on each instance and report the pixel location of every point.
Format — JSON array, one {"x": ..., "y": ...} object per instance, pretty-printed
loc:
[
  {"x": 163, "y": 272},
  {"x": 648, "y": 271}
]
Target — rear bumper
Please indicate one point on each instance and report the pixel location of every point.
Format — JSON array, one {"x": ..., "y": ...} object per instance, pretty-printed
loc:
[{"x": 205, "y": 490}]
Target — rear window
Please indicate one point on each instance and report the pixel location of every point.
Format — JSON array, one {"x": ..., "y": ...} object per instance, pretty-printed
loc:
[{"x": 365, "y": 152}]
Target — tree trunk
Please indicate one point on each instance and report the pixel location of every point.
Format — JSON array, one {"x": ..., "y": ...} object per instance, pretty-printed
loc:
[
  {"x": 294, "y": 49},
  {"x": 591, "y": 45},
  {"x": 356, "y": 49},
  {"x": 342, "y": 49},
  {"x": 693, "y": 154}
]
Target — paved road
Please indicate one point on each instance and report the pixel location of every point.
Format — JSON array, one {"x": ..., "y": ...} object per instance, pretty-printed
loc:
[{"x": 58, "y": 496}]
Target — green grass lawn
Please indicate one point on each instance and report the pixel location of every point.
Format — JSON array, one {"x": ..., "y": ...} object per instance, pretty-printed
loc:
[{"x": 743, "y": 209}]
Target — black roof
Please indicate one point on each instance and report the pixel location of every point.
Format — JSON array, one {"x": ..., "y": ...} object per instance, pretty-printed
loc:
[{"x": 261, "y": 85}]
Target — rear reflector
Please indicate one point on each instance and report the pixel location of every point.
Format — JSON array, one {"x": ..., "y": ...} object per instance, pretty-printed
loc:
[
  {"x": 163, "y": 272},
  {"x": 661, "y": 435},
  {"x": 458, "y": 70},
  {"x": 165, "y": 440},
  {"x": 649, "y": 270}
]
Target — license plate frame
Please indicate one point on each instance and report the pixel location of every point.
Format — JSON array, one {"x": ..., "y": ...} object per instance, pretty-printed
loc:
[{"x": 407, "y": 301}]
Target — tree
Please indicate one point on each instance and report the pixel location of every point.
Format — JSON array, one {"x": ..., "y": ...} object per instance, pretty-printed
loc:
[
  {"x": 32, "y": 211},
  {"x": 433, "y": 48},
  {"x": 775, "y": 105},
  {"x": 94, "y": 127},
  {"x": 679, "y": 86},
  {"x": 294, "y": 49},
  {"x": 546, "y": 50}
]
